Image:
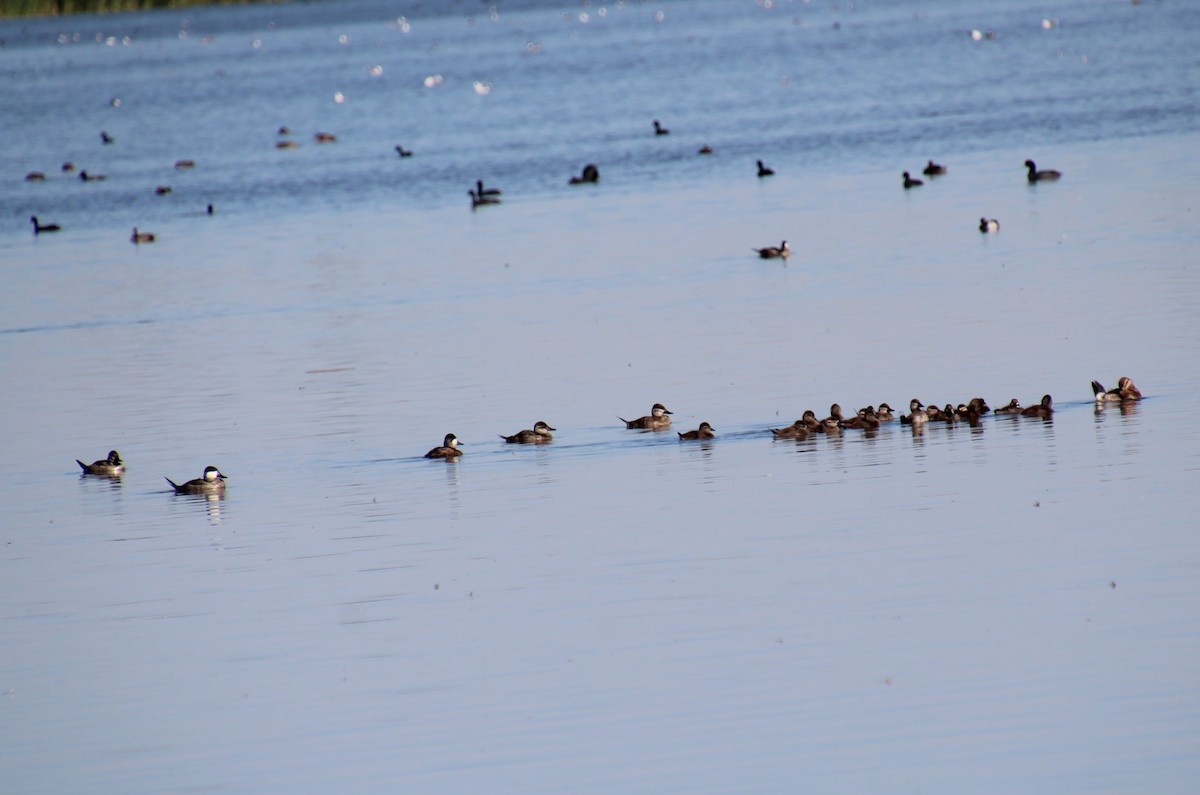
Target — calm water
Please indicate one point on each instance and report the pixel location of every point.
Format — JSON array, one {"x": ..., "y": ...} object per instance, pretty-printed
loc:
[{"x": 1008, "y": 608}]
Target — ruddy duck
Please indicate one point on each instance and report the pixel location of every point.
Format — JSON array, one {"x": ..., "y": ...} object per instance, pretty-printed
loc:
[
  {"x": 141, "y": 237},
  {"x": 1013, "y": 407},
  {"x": 884, "y": 413},
  {"x": 659, "y": 129},
  {"x": 324, "y": 138},
  {"x": 909, "y": 182},
  {"x": 400, "y": 150},
  {"x": 105, "y": 138},
  {"x": 39, "y": 227},
  {"x": 184, "y": 165},
  {"x": 1046, "y": 175},
  {"x": 763, "y": 171},
  {"x": 916, "y": 414},
  {"x": 705, "y": 431},
  {"x": 1043, "y": 409},
  {"x": 68, "y": 167},
  {"x": 162, "y": 190},
  {"x": 479, "y": 201},
  {"x": 86, "y": 177},
  {"x": 111, "y": 467},
  {"x": 213, "y": 482},
  {"x": 35, "y": 176},
  {"x": 540, "y": 434},
  {"x": 978, "y": 405},
  {"x": 797, "y": 430},
  {"x": 934, "y": 169},
  {"x": 865, "y": 420},
  {"x": 656, "y": 420},
  {"x": 590, "y": 174},
  {"x": 449, "y": 448},
  {"x": 773, "y": 252},
  {"x": 1125, "y": 391},
  {"x": 482, "y": 191},
  {"x": 704, "y": 150},
  {"x": 286, "y": 144},
  {"x": 989, "y": 225}
]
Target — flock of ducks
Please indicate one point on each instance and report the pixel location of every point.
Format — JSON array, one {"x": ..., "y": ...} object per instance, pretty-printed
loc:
[{"x": 869, "y": 418}]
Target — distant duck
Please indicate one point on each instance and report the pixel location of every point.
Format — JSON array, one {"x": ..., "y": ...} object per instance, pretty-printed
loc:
[
  {"x": 704, "y": 150},
  {"x": 477, "y": 200},
  {"x": 705, "y": 431},
  {"x": 324, "y": 137},
  {"x": 68, "y": 167},
  {"x": 106, "y": 138},
  {"x": 916, "y": 414},
  {"x": 212, "y": 482},
  {"x": 659, "y": 129},
  {"x": 989, "y": 225},
  {"x": 656, "y": 420},
  {"x": 39, "y": 227},
  {"x": 1124, "y": 391},
  {"x": 183, "y": 165},
  {"x": 86, "y": 177},
  {"x": 590, "y": 174},
  {"x": 482, "y": 191},
  {"x": 35, "y": 176},
  {"x": 539, "y": 434},
  {"x": 448, "y": 449},
  {"x": 763, "y": 171},
  {"x": 400, "y": 150},
  {"x": 210, "y": 208},
  {"x": 835, "y": 416},
  {"x": 909, "y": 182},
  {"x": 1044, "y": 409},
  {"x": 141, "y": 237},
  {"x": 1046, "y": 175},
  {"x": 1012, "y": 407},
  {"x": 774, "y": 252},
  {"x": 884, "y": 413},
  {"x": 162, "y": 190},
  {"x": 864, "y": 419},
  {"x": 286, "y": 144},
  {"x": 797, "y": 430},
  {"x": 283, "y": 131},
  {"x": 110, "y": 467},
  {"x": 933, "y": 169}
]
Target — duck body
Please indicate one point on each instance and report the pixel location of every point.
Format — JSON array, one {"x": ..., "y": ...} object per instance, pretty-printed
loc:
[
  {"x": 35, "y": 176},
  {"x": 86, "y": 177},
  {"x": 1045, "y": 175},
  {"x": 1124, "y": 391},
  {"x": 909, "y": 182},
  {"x": 539, "y": 434},
  {"x": 797, "y": 430},
  {"x": 1044, "y": 409},
  {"x": 763, "y": 171},
  {"x": 448, "y": 448},
  {"x": 590, "y": 174},
  {"x": 400, "y": 150},
  {"x": 110, "y": 467},
  {"x": 184, "y": 165},
  {"x": 933, "y": 169},
  {"x": 917, "y": 414},
  {"x": 211, "y": 482},
  {"x": 705, "y": 431},
  {"x": 482, "y": 191},
  {"x": 39, "y": 227},
  {"x": 1012, "y": 407},
  {"x": 138, "y": 238},
  {"x": 656, "y": 420},
  {"x": 774, "y": 252},
  {"x": 987, "y": 225},
  {"x": 481, "y": 201},
  {"x": 659, "y": 129}
]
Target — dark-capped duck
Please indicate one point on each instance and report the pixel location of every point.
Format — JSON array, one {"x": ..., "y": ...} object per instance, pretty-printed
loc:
[
  {"x": 987, "y": 225},
  {"x": 590, "y": 174},
  {"x": 705, "y": 431},
  {"x": 659, "y": 129},
  {"x": 774, "y": 252},
  {"x": 539, "y": 434},
  {"x": 211, "y": 482},
  {"x": 763, "y": 171},
  {"x": 1043, "y": 409},
  {"x": 1012, "y": 407},
  {"x": 110, "y": 467},
  {"x": 448, "y": 448},
  {"x": 39, "y": 227},
  {"x": 909, "y": 182},
  {"x": 933, "y": 169},
  {"x": 656, "y": 420},
  {"x": 141, "y": 237},
  {"x": 1045, "y": 175}
]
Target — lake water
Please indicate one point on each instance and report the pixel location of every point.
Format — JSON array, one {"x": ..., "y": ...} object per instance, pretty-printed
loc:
[{"x": 1013, "y": 607}]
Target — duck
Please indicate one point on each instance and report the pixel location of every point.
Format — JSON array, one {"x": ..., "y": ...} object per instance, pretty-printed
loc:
[
  {"x": 933, "y": 169},
  {"x": 110, "y": 467},
  {"x": 162, "y": 190},
  {"x": 212, "y": 482},
  {"x": 656, "y": 420},
  {"x": 482, "y": 191},
  {"x": 989, "y": 225},
  {"x": 659, "y": 129},
  {"x": 539, "y": 434},
  {"x": 835, "y": 414},
  {"x": 705, "y": 150},
  {"x": 283, "y": 131},
  {"x": 324, "y": 137},
  {"x": 477, "y": 200},
  {"x": 1012, "y": 407},
  {"x": 978, "y": 405},
  {"x": 35, "y": 176},
  {"x": 68, "y": 167},
  {"x": 884, "y": 413},
  {"x": 763, "y": 171},
  {"x": 917, "y": 414},
  {"x": 865, "y": 420},
  {"x": 448, "y": 449},
  {"x": 705, "y": 431},
  {"x": 183, "y": 165},
  {"x": 1125, "y": 390},
  {"x": 934, "y": 414},
  {"x": 400, "y": 150},
  {"x": 1046, "y": 175},
  {"x": 1044, "y": 409},
  {"x": 286, "y": 144},
  {"x": 909, "y": 182},
  {"x": 39, "y": 227},
  {"x": 774, "y": 252},
  {"x": 105, "y": 138},
  {"x": 86, "y": 177},
  {"x": 141, "y": 237},
  {"x": 797, "y": 430},
  {"x": 590, "y": 174}
]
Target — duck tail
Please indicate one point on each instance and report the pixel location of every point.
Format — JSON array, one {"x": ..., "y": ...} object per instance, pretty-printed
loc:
[
  {"x": 82, "y": 465},
  {"x": 174, "y": 485},
  {"x": 1097, "y": 388}
]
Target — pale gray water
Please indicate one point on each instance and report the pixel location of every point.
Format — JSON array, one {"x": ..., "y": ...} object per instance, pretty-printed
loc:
[{"x": 1011, "y": 608}]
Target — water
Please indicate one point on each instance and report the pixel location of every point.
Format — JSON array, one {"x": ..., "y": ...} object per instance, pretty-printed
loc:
[{"x": 998, "y": 609}]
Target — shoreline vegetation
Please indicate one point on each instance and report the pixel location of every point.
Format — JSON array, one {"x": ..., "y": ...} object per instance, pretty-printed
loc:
[{"x": 50, "y": 8}]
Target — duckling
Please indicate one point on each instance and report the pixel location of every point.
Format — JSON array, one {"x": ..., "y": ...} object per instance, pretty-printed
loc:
[
  {"x": 763, "y": 171},
  {"x": 934, "y": 169},
  {"x": 1044, "y": 409},
  {"x": 590, "y": 174},
  {"x": 809, "y": 418},
  {"x": 988, "y": 225},
  {"x": 659, "y": 129},
  {"x": 39, "y": 227},
  {"x": 540, "y": 434},
  {"x": 797, "y": 430},
  {"x": 448, "y": 449},
  {"x": 773, "y": 252},
  {"x": 705, "y": 431},
  {"x": 141, "y": 237},
  {"x": 917, "y": 414},
  {"x": 1046, "y": 175},
  {"x": 656, "y": 420},
  {"x": 111, "y": 467},
  {"x": 1013, "y": 407},
  {"x": 884, "y": 413},
  {"x": 212, "y": 482},
  {"x": 865, "y": 420},
  {"x": 835, "y": 414},
  {"x": 909, "y": 182}
]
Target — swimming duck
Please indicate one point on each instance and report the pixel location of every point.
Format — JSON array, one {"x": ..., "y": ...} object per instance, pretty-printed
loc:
[
  {"x": 68, "y": 167},
  {"x": 865, "y": 420},
  {"x": 704, "y": 150},
  {"x": 141, "y": 237},
  {"x": 659, "y": 129},
  {"x": 1013, "y": 407},
  {"x": 105, "y": 138},
  {"x": 86, "y": 177},
  {"x": 286, "y": 144},
  {"x": 934, "y": 414},
  {"x": 213, "y": 482},
  {"x": 184, "y": 165},
  {"x": 884, "y": 413},
  {"x": 477, "y": 200},
  {"x": 283, "y": 131},
  {"x": 797, "y": 430},
  {"x": 38, "y": 227},
  {"x": 482, "y": 191},
  {"x": 35, "y": 176},
  {"x": 705, "y": 431},
  {"x": 917, "y": 414},
  {"x": 1125, "y": 390},
  {"x": 989, "y": 225},
  {"x": 162, "y": 190},
  {"x": 111, "y": 467},
  {"x": 763, "y": 171},
  {"x": 540, "y": 434},
  {"x": 400, "y": 150},
  {"x": 1046, "y": 175},
  {"x": 1043, "y": 409},
  {"x": 324, "y": 137},
  {"x": 656, "y": 420},
  {"x": 909, "y": 182},
  {"x": 590, "y": 174},
  {"x": 773, "y": 252},
  {"x": 934, "y": 169},
  {"x": 449, "y": 448},
  {"x": 835, "y": 414}
]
